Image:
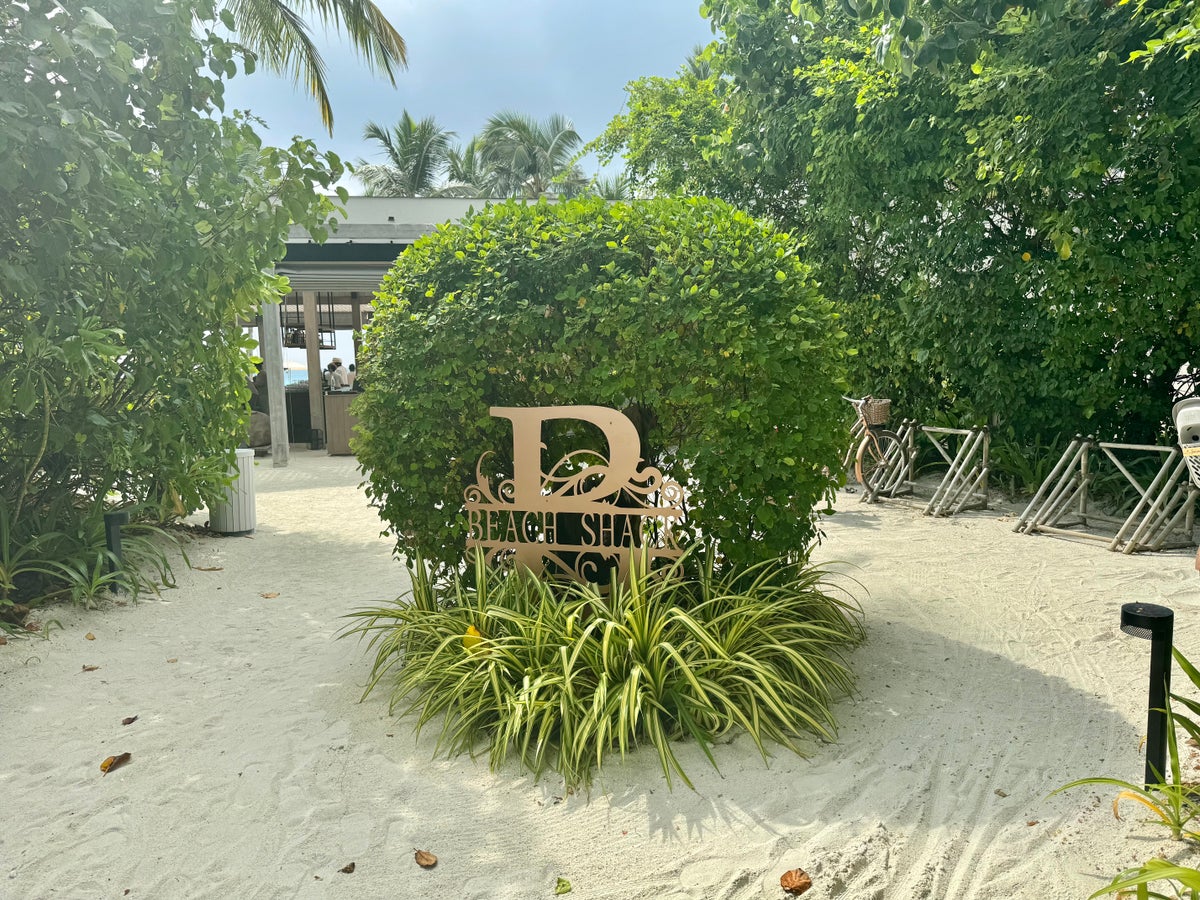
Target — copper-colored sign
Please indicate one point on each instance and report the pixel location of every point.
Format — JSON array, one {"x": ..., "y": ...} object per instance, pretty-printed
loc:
[{"x": 582, "y": 516}]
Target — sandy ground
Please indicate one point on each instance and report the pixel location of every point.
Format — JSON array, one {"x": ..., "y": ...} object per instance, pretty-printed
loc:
[{"x": 994, "y": 672}]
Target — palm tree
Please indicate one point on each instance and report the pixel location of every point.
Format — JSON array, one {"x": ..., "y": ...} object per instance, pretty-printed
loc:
[
  {"x": 417, "y": 155},
  {"x": 699, "y": 65},
  {"x": 276, "y": 32},
  {"x": 529, "y": 158},
  {"x": 615, "y": 187},
  {"x": 466, "y": 174}
]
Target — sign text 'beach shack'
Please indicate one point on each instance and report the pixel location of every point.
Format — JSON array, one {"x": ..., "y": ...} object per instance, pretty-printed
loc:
[{"x": 584, "y": 515}]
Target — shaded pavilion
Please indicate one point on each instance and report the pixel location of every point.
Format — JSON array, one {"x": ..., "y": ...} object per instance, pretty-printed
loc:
[{"x": 332, "y": 286}]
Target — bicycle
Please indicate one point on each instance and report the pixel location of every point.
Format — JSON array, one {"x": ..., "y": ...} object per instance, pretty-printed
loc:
[{"x": 880, "y": 449}]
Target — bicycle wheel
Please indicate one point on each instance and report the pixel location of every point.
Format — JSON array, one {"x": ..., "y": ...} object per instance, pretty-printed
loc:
[{"x": 878, "y": 455}]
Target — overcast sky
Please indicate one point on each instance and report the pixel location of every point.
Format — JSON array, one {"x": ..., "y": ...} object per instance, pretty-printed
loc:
[{"x": 469, "y": 59}]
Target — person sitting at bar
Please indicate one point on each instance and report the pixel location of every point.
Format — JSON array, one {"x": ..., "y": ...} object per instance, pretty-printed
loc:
[{"x": 337, "y": 375}]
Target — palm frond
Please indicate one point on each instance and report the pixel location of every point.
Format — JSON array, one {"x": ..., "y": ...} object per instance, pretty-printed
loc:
[
  {"x": 276, "y": 32},
  {"x": 417, "y": 154}
]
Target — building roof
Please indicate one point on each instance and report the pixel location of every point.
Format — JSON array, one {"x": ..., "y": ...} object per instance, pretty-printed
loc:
[{"x": 369, "y": 236}]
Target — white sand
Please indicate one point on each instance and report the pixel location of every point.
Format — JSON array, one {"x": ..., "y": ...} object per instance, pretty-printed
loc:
[{"x": 994, "y": 672}]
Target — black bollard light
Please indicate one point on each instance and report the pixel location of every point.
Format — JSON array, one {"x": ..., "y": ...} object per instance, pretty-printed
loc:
[
  {"x": 112, "y": 536},
  {"x": 1156, "y": 624}
]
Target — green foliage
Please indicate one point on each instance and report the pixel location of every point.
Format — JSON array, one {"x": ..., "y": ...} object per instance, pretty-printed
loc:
[
  {"x": 276, "y": 32},
  {"x": 530, "y": 158},
  {"x": 1185, "y": 881},
  {"x": 665, "y": 131},
  {"x": 1018, "y": 256},
  {"x": 698, "y": 319},
  {"x": 560, "y": 676},
  {"x": 417, "y": 152},
  {"x": 138, "y": 228},
  {"x": 1021, "y": 468},
  {"x": 514, "y": 156},
  {"x": 936, "y": 34},
  {"x": 78, "y": 566}
]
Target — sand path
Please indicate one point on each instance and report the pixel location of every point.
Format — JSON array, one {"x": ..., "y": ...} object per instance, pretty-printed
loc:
[{"x": 994, "y": 672}]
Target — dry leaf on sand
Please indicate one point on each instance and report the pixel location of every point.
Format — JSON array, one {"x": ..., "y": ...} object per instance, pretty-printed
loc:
[
  {"x": 209, "y": 568},
  {"x": 173, "y": 659},
  {"x": 114, "y": 762},
  {"x": 269, "y": 595},
  {"x": 347, "y": 868},
  {"x": 90, "y": 668},
  {"x": 795, "y": 882},
  {"x": 89, "y": 637},
  {"x": 3, "y": 640},
  {"x": 425, "y": 859},
  {"x": 129, "y": 720}
]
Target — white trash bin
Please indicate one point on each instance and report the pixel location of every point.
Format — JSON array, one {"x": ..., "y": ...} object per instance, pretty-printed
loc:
[{"x": 235, "y": 514}]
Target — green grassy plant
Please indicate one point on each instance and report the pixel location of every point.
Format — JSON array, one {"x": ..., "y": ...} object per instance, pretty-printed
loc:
[
  {"x": 1172, "y": 802},
  {"x": 1019, "y": 468},
  {"x": 1185, "y": 882},
  {"x": 561, "y": 675},
  {"x": 1175, "y": 804},
  {"x": 22, "y": 561},
  {"x": 77, "y": 565}
]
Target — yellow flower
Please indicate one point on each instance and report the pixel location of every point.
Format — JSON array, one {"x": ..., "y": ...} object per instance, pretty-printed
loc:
[
  {"x": 1026, "y": 257},
  {"x": 472, "y": 639}
]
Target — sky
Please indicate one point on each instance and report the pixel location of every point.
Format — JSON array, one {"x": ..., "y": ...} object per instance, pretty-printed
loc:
[{"x": 469, "y": 59}]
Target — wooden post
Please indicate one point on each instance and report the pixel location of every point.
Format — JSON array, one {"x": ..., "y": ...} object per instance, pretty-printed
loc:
[
  {"x": 312, "y": 346},
  {"x": 270, "y": 342},
  {"x": 356, "y": 325}
]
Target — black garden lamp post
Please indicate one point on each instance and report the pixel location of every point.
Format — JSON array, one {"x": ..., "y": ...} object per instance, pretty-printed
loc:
[
  {"x": 112, "y": 536},
  {"x": 1156, "y": 624}
]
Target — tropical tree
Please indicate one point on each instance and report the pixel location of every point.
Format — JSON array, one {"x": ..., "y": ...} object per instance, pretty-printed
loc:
[
  {"x": 699, "y": 64},
  {"x": 140, "y": 228},
  {"x": 611, "y": 187},
  {"x": 466, "y": 173},
  {"x": 417, "y": 154},
  {"x": 528, "y": 158},
  {"x": 681, "y": 136},
  {"x": 1012, "y": 256},
  {"x": 1019, "y": 256},
  {"x": 275, "y": 30}
]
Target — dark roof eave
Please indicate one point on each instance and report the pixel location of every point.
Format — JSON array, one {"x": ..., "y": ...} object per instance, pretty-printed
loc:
[{"x": 343, "y": 252}]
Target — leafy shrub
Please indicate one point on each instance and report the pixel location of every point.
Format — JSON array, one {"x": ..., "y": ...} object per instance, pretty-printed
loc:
[
  {"x": 139, "y": 230},
  {"x": 1021, "y": 467},
  {"x": 700, "y": 321},
  {"x": 987, "y": 253},
  {"x": 78, "y": 566},
  {"x": 560, "y": 675}
]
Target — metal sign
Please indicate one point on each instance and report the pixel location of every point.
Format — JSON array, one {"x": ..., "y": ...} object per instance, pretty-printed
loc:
[{"x": 584, "y": 515}]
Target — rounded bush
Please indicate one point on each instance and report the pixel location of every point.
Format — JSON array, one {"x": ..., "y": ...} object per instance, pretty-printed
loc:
[{"x": 697, "y": 320}]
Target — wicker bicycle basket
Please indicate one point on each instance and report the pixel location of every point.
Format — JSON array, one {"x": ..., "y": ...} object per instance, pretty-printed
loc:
[
  {"x": 876, "y": 411},
  {"x": 1191, "y": 453}
]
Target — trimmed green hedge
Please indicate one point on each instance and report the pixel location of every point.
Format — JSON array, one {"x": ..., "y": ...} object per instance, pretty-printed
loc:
[{"x": 698, "y": 319}]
